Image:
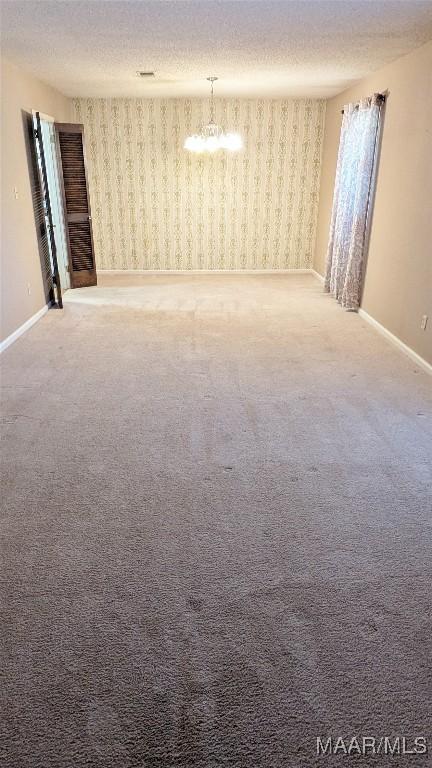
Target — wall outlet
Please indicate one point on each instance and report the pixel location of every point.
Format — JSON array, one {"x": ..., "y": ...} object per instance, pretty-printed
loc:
[
  {"x": 423, "y": 323},
  {"x": 15, "y": 191},
  {"x": 28, "y": 289}
]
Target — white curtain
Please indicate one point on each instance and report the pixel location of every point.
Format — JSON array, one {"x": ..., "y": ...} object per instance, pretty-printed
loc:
[{"x": 352, "y": 194}]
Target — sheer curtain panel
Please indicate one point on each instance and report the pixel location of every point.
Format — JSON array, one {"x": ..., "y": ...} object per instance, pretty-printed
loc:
[{"x": 351, "y": 201}]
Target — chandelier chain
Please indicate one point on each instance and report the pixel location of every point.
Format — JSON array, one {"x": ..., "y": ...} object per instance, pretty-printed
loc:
[{"x": 212, "y": 113}]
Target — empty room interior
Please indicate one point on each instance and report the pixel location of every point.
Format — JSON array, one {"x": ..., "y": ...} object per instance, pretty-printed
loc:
[{"x": 216, "y": 358}]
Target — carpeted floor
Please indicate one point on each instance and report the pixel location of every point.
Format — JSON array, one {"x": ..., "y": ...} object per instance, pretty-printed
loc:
[{"x": 216, "y": 529}]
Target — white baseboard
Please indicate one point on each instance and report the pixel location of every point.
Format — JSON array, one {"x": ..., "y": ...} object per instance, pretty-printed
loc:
[
  {"x": 23, "y": 328},
  {"x": 317, "y": 275},
  {"x": 385, "y": 332},
  {"x": 203, "y": 271},
  {"x": 396, "y": 341}
]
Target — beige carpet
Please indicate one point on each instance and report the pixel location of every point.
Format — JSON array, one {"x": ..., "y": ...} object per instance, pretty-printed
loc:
[{"x": 216, "y": 529}]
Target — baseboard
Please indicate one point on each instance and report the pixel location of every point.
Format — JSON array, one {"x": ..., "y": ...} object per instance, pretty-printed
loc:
[
  {"x": 396, "y": 341},
  {"x": 385, "y": 332},
  {"x": 317, "y": 275},
  {"x": 23, "y": 328},
  {"x": 203, "y": 271}
]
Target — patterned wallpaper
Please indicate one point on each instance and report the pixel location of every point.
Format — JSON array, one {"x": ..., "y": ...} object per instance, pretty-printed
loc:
[{"x": 157, "y": 206}]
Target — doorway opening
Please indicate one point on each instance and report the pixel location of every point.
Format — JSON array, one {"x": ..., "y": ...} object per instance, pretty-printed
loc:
[{"x": 55, "y": 221}]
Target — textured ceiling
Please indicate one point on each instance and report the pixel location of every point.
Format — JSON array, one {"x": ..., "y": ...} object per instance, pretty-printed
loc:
[{"x": 286, "y": 48}]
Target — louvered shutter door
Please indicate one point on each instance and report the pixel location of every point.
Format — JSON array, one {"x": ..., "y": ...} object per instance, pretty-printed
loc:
[
  {"x": 39, "y": 214},
  {"x": 71, "y": 153}
]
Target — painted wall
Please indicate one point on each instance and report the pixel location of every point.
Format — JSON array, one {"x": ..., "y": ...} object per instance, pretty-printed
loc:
[
  {"x": 156, "y": 206},
  {"x": 22, "y": 293},
  {"x": 398, "y": 282}
]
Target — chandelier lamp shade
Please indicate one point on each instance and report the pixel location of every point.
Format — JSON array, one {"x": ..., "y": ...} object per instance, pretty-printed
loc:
[{"x": 212, "y": 136}]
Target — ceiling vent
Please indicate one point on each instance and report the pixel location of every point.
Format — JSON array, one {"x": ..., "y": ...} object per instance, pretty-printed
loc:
[{"x": 143, "y": 73}]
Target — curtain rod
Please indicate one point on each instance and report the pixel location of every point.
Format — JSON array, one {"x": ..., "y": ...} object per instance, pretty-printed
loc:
[{"x": 380, "y": 96}]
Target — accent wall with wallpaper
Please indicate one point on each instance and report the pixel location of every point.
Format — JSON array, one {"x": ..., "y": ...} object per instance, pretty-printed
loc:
[{"x": 157, "y": 206}]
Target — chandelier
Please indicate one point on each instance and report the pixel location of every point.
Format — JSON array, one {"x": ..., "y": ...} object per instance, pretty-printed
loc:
[{"x": 211, "y": 136}]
